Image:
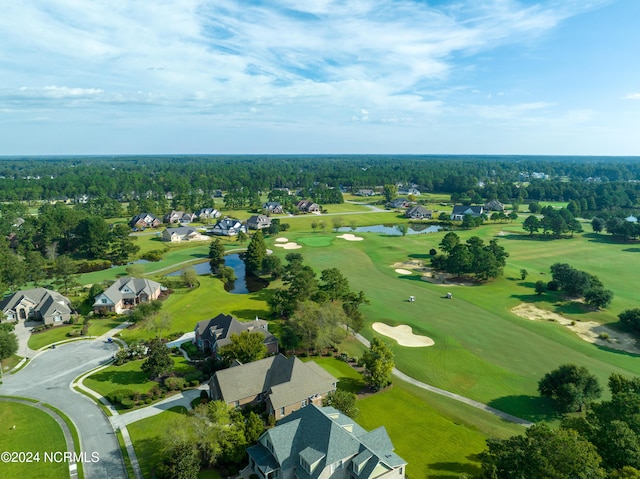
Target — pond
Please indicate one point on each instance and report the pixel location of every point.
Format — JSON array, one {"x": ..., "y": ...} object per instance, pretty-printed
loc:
[
  {"x": 391, "y": 230},
  {"x": 244, "y": 283}
]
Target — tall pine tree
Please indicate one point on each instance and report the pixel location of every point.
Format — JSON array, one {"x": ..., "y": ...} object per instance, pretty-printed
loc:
[{"x": 256, "y": 253}]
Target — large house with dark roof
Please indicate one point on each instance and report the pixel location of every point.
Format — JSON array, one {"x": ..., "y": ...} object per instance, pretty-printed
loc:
[
  {"x": 144, "y": 220},
  {"x": 320, "y": 443},
  {"x": 418, "y": 212},
  {"x": 284, "y": 384},
  {"x": 211, "y": 334},
  {"x": 37, "y": 304},
  {"x": 460, "y": 211},
  {"x": 126, "y": 293}
]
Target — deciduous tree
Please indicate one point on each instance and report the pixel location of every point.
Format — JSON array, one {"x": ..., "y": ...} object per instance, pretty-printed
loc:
[
  {"x": 378, "y": 363},
  {"x": 572, "y": 386}
]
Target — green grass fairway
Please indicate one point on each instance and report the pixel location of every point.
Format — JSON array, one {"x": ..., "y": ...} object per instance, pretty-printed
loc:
[
  {"x": 436, "y": 436},
  {"x": 483, "y": 350},
  {"x": 449, "y": 433},
  {"x": 35, "y": 431},
  {"x": 316, "y": 241},
  {"x": 147, "y": 437}
]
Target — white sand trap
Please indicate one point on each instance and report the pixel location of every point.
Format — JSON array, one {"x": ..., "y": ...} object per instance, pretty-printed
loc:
[
  {"x": 350, "y": 237},
  {"x": 404, "y": 335},
  {"x": 403, "y": 271},
  {"x": 282, "y": 240},
  {"x": 589, "y": 331},
  {"x": 288, "y": 245}
]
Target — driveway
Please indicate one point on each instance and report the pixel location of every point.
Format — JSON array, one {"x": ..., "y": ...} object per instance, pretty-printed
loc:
[
  {"x": 23, "y": 332},
  {"x": 48, "y": 378}
]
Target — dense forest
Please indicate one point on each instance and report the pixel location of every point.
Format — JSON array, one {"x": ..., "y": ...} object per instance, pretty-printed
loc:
[{"x": 602, "y": 182}]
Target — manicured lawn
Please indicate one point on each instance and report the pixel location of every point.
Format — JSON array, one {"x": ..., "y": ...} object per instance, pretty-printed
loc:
[
  {"x": 482, "y": 349},
  {"x": 97, "y": 327},
  {"x": 129, "y": 376},
  {"x": 437, "y": 436},
  {"x": 147, "y": 437},
  {"x": 187, "y": 307},
  {"x": 348, "y": 378},
  {"x": 11, "y": 362},
  {"x": 35, "y": 431},
  {"x": 316, "y": 241}
]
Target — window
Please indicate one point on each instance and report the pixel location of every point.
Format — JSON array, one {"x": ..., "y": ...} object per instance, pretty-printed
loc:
[
  {"x": 336, "y": 465},
  {"x": 103, "y": 301},
  {"x": 236, "y": 404},
  {"x": 281, "y": 411},
  {"x": 303, "y": 403}
]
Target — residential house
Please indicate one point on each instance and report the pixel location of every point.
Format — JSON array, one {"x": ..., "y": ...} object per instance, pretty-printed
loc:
[
  {"x": 37, "y": 304},
  {"x": 126, "y": 293},
  {"x": 308, "y": 206},
  {"x": 211, "y": 334},
  {"x": 179, "y": 217},
  {"x": 208, "y": 214},
  {"x": 258, "y": 222},
  {"x": 365, "y": 192},
  {"x": 284, "y": 384},
  {"x": 322, "y": 443},
  {"x": 144, "y": 220},
  {"x": 273, "y": 207},
  {"x": 418, "y": 213},
  {"x": 284, "y": 190},
  {"x": 228, "y": 227},
  {"x": 217, "y": 194},
  {"x": 399, "y": 203},
  {"x": 182, "y": 233},
  {"x": 493, "y": 205},
  {"x": 409, "y": 191},
  {"x": 460, "y": 211}
]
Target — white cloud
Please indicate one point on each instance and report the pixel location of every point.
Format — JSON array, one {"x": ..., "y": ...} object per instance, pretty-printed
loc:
[{"x": 632, "y": 96}]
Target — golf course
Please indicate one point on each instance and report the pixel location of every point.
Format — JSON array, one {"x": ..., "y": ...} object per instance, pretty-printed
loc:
[{"x": 491, "y": 342}]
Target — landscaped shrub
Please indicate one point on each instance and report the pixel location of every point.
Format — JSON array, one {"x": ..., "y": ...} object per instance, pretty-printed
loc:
[
  {"x": 194, "y": 376},
  {"x": 118, "y": 395},
  {"x": 553, "y": 285},
  {"x": 204, "y": 394},
  {"x": 127, "y": 403},
  {"x": 174, "y": 383}
]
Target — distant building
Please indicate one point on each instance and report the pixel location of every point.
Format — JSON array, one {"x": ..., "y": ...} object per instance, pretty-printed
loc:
[
  {"x": 126, "y": 293},
  {"x": 460, "y": 211}
]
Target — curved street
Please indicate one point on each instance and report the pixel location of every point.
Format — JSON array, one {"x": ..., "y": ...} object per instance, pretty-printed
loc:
[{"x": 48, "y": 378}]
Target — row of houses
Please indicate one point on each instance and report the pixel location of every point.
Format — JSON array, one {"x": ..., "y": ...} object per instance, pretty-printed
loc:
[
  {"x": 145, "y": 220},
  {"x": 308, "y": 439}
]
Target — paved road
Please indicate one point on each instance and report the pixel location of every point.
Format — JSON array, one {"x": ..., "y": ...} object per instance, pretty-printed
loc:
[{"x": 48, "y": 377}]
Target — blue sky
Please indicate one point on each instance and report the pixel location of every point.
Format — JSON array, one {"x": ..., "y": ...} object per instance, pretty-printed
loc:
[{"x": 320, "y": 76}]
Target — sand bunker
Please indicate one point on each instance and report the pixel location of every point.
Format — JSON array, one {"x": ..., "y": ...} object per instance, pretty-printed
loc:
[
  {"x": 430, "y": 275},
  {"x": 402, "y": 271},
  {"x": 282, "y": 240},
  {"x": 288, "y": 245},
  {"x": 404, "y": 335},
  {"x": 587, "y": 330},
  {"x": 350, "y": 237}
]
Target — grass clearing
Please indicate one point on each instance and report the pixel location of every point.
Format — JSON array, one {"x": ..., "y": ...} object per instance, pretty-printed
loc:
[
  {"x": 97, "y": 327},
  {"x": 30, "y": 423},
  {"x": 316, "y": 241},
  {"x": 129, "y": 376},
  {"x": 147, "y": 437},
  {"x": 348, "y": 378}
]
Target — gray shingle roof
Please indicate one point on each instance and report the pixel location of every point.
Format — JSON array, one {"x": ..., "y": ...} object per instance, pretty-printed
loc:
[
  {"x": 223, "y": 326},
  {"x": 46, "y": 301},
  {"x": 286, "y": 381},
  {"x": 313, "y": 432},
  {"x": 129, "y": 288}
]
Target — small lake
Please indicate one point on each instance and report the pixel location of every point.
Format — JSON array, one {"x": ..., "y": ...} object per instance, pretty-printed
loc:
[
  {"x": 242, "y": 285},
  {"x": 391, "y": 230}
]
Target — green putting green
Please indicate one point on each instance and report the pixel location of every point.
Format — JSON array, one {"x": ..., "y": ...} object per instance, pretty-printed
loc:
[{"x": 316, "y": 241}]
